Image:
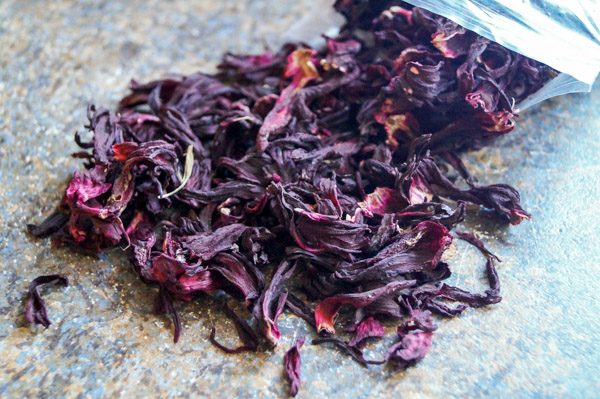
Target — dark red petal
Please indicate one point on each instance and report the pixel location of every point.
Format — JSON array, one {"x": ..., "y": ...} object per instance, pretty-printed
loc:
[
  {"x": 121, "y": 151},
  {"x": 292, "y": 361},
  {"x": 327, "y": 311},
  {"x": 411, "y": 349},
  {"x": 367, "y": 328},
  {"x": 163, "y": 304},
  {"x": 35, "y": 311}
]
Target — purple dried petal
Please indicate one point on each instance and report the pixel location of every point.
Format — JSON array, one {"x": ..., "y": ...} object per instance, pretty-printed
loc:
[
  {"x": 419, "y": 249},
  {"x": 271, "y": 302},
  {"x": 366, "y": 329},
  {"x": 163, "y": 304},
  {"x": 418, "y": 320},
  {"x": 49, "y": 226},
  {"x": 236, "y": 272},
  {"x": 384, "y": 200},
  {"x": 104, "y": 124},
  {"x": 452, "y": 40},
  {"x": 411, "y": 349},
  {"x": 502, "y": 198},
  {"x": 292, "y": 361},
  {"x": 301, "y": 68},
  {"x": 36, "y": 311},
  {"x": 326, "y": 312},
  {"x": 205, "y": 246}
]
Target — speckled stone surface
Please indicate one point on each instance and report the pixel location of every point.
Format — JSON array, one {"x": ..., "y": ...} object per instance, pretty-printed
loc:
[{"x": 56, "y": 57}]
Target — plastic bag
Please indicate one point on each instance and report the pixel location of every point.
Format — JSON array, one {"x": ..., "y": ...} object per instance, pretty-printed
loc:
[{"x": 564, "y": 34}]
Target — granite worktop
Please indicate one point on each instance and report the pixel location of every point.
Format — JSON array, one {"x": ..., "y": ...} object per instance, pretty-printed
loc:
[{"x": 56, "y": 57}]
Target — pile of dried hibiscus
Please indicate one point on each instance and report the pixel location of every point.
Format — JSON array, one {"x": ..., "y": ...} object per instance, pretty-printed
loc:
[{"x": 336, "y": 167}]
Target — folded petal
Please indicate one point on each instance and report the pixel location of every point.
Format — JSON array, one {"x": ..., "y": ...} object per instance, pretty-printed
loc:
[
  {"x": 292, "y": 361},
  {"x": 327, "y": 311}
]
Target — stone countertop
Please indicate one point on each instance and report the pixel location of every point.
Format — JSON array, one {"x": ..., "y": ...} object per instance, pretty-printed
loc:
[{"x": 56, "y": 57}]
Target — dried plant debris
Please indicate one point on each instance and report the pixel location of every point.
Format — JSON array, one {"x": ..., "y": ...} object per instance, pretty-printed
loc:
[
  {"x": 292, "y": 361},
  {"x": 35, "y": 310},
  {"x": 332, "y": 166}
]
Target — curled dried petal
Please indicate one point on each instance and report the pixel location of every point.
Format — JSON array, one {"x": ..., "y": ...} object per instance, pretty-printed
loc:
[
  {"x": 35, "y": 311},
  {"x": 367, "y": 328},
  {"x": 292, "y": 361},
  {"x": 327, "y": 311}
]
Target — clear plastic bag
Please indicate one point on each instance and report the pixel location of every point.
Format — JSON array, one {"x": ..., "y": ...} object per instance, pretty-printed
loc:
[{"x": 564, "y": 34}]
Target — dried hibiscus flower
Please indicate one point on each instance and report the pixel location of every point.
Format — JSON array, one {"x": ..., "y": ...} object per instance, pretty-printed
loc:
[{"x": 331, "y": 165}]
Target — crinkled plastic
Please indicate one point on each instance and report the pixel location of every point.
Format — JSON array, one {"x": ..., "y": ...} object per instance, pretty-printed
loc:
[{"x": 564, "y": 34}]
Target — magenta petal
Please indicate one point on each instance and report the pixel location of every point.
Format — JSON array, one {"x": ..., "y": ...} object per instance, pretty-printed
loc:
[
  {"x": 411, "y": 349},
  {"x": 367, "y": 328}
]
